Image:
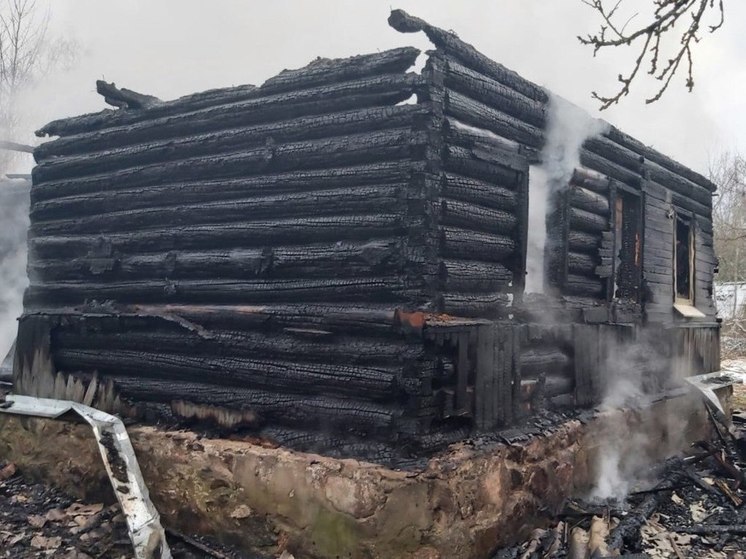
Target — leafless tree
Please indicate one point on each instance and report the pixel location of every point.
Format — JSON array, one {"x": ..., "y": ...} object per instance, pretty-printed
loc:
[
  {"x": 26, "y": 55},
  {"x": 728, "y": 171},
  {"x": 668, "y": 20}
]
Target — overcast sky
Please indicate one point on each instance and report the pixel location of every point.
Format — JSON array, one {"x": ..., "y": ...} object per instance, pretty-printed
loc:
[{"x": 169, "y": 48}]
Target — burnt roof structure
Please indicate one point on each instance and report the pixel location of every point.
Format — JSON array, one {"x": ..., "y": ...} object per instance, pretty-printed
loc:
[{"x": 328, "y": 264}]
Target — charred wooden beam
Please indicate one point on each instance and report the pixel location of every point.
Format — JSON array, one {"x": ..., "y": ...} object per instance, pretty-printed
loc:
[
  {"x": 351, "y": 201},
  {"x": 463, "y": 243},
  {"x": 224, "y": 236},
  {"x": 339, "y": 259},
  {"x": 365, "y": 93},
  {"x": 188, "y": 192},
  {"x": 451, "y": 44},
  {"x": 581, "y": 220},
  {"x": 472, "y": 275},
  {"x": 110, "y": 156},
  {"x": 476, "y": 217},
  {"x": 465, "y": 162},
  {"x": 588, "y": 200},
  {"x": 388, "y": 62},
  {"x": 478, "y": 192},
  {"x": 355, "y": 149},
  {"x": 124, "y": 98},
  {"x": 386, "y": 289}
]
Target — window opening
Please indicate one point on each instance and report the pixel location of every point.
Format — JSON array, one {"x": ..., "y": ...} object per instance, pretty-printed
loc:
[
  {"x": 683, "y": 261},
  {"x": 628, "y": 246}
]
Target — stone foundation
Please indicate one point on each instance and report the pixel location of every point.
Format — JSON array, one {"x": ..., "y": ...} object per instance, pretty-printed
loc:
[{"x": 463, "y": 504}]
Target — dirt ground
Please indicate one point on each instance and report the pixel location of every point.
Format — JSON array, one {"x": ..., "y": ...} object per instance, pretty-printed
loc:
[{"x": 38, "y": 521}]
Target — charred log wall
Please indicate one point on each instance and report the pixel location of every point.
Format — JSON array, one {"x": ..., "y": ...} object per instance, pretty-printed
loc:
[
  {"x": 501, "y": 108},
  {"x": 248, "y": 248}
]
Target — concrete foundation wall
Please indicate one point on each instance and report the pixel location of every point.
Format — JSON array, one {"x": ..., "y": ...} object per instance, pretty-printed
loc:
[{"x": 466, "y": 502}]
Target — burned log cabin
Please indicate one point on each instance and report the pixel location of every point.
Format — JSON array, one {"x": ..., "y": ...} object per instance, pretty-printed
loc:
[{"x": 340, "y": 255}]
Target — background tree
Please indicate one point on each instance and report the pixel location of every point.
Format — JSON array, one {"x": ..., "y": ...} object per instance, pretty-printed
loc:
[
  {"x": 27, "y": 54},
  {"x": 728, "y": 171},
  {"x": 665, "y": 39}
]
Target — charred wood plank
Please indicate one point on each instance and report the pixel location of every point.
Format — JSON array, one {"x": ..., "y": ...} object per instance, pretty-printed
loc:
[
  {"x": 581, "y": 220},
  {"x": 387, "y": 62},
  {"x": 475, "y": 113},
  {"x": 397, "y": 143},
  {"x": 340, "y": 259},
  {"x": 542, "y": 361},
  {"x": 471, "y": 275},
  {"x": 588, "y": 200},
  {"x": 404, "y": 23},
  {"x": 224, "y": 236},
  {"x": 383, "y": 290},
  {"x": 370, "y": 92},
  {"x": 493, "y": 93},
  {"x": 143, "y": 336},
  {"x": 478, "y": 192},
  {"x": 283, "y": 409},
  {"x": 582, "y": 285},
  {"x": 464, "y": 162},
  {"x": 474, "y": 305},
  {"x": 583, "y": 242},
  {"x": 464, "y": 243},
  {"x": 476, "y": 217},
  {"x": 349, "y": 201},
  {"x": 582, "y": 264},
  {"x": 283, "y": 376},
  {"x": 111, "y": 156},
  {"x": 164, "y": 194}
]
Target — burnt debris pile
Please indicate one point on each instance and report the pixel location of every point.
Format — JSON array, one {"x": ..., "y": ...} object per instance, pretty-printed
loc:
[
  {"x": 685, "y": 507},
  {"x": 342, "y": 251}
]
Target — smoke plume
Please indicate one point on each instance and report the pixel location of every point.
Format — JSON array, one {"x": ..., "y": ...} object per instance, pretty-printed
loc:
[
  {"x": 14, "y": 217},
  {"x": 568, "y": 127}
]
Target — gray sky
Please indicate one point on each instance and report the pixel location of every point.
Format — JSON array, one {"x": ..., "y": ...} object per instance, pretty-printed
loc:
[{"x": 170, "y": 48}]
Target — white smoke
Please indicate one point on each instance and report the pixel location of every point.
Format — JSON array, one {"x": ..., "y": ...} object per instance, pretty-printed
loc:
[
  {"x": 13, "y": 281},
  {"x": 568, "y": 127},
  {"x": 632, "y": 373}
]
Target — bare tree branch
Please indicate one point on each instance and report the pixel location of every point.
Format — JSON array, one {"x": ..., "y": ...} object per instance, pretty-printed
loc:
[{"x": 668, "y": 19}]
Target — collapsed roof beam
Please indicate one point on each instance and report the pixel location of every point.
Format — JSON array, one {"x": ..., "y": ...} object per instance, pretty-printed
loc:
[{"x": 124, "y": 98}]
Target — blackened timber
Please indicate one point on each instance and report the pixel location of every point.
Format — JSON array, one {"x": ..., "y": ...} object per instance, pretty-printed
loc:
[
  {"x": 476, "y": 217},
  {"x": 472, "y": 275},
  {"x": 359, "y": 289},
  {"x": 403, "y": 22},
  {"x": 288, "y": 409},
  {"x": 479, "y": 192},
  {"x": 475, "y": 113},
  {"x": 590, "y": 180},
  {"x": 370, "y": 92},
  {"x": 397, "y": 143},
  {"x": 478, "y": 305},
  {"x": 583, "y": 264},
  {"x": 463, "y": 243},
  {"x": 582, "y": 285},
  {"x": 285, "y": 376},
  {"x": 256, "y": 233},
  {"x": 612, "y": 170},
  {"x": 536, "y": 361},
  {"x": 164, "y": 194},
  {"x": 142, "y": 336},
  {"x": 493, "y": 93},
  {"x": 324, "y": 71},
  {"x": 664, "y": 161},
  {"x": 588, "y": 200},
  {"x": 110, "y": 157},
  {"x": 582, "y": 220},
  {"x": 340, "y": 259},
  {"x": 387, "y": 62},
  {"x": 465, "y": 162},
  {"x": 356, "y": 200}
]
